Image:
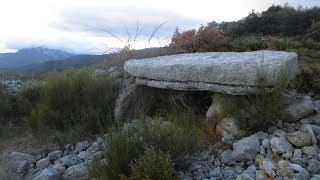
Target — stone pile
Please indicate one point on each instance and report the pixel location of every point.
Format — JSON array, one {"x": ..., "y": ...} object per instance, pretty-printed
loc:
[
  {"x": 287, "y": 150},
  {"x": 13, "y": 86},
  {"x": 70, "y": 162}
]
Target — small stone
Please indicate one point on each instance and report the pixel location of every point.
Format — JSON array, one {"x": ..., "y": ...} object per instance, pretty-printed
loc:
[
  {"x": 299, "y": 138},
  {"x": 216, "y": 172},
  {"x": 297, "y": 154},
  {"x": 268, "y": 166},
  {"x": 260, "y": 175},
  {"x": 280, "y": 145},
  {"x": 43, "y": 163},
  {"x": 55, "y": 155},
  {"x": 258, "y": 159},
  {"x": 298, "y": 110},
  {"x": 226, "y": 157},
  {"x": 70, "y": 160},
  {"x": 287, "y": 155},
  {"x": 313, "y": 166},
  {"x": 307, "y": 128},
  {"x": 310, "y": 150},
  {"x": 279, "y": 124},
  {"x": 266, "y": 143},
  {"x": 244, "y": 177},
  {"x": 84, "y": 155},
  {"x": 246, "y": 148},
  {"x": 262, "y": 151},
  {"x": 99, "y": 140},
  {"x": 76, "y": 172},
  {"x": 97, "y": 156},
  {"x": 82, "y": 146}
]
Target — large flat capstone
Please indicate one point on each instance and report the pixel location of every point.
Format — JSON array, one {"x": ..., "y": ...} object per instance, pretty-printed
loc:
[{"x": 226, "y": 72}]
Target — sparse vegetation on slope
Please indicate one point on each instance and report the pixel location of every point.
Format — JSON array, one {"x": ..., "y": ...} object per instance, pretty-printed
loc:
[{"x": 72, "y": 100}]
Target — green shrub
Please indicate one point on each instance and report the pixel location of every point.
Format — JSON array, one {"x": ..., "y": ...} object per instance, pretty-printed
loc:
[
  {"x": 153, "y": 165},
  {"x": 309, "y": 80},
  {"x": 72, "y": 99},
  {"x": 5, "y": 106},
  {"x": 178, "y": 133},
  {"x": 123, "y": 147},
  {"x": 255, "y": 112}
]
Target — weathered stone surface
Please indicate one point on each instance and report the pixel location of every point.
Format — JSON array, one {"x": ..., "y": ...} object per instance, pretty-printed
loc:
[
  {"x": 280, "y": 145},
  {"x": 51, "y": 173},
  {"x": 15, "y": 156},
  {"x": 226, "y": 157},
  {"x": 298, "y": 110},
  {"x": 55, "y": 155},
  {"x": 310, "y": 150},
  {"x": 79, "y": 171},
  {"x": 246, "y": 149},
  {"x": 244, "y": 177},
  {"x": 307, "y": 128},
  {"x": 228, "y": 127},
  {"x": 313, "y": 166},
  {"x": 226, "y": 72},
  {"x": 70, "y": 160},
  {"x": 43, "y": 163},
  {"x": 82, "y": 146},
  {"x": 215, "y": 109},
  {"x": 299, "y": 138}
]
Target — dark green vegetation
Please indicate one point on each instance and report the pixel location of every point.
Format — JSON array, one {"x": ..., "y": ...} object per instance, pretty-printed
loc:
[
  {"x": 154, "y": 164},
  {"x": 178, "y": 133},
  {"x": 69, "y": 101},
  {"x": 72, "y": 100}
]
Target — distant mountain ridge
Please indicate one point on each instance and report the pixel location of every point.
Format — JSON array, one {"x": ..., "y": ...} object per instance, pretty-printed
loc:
[{"x": 30, "y": 56}]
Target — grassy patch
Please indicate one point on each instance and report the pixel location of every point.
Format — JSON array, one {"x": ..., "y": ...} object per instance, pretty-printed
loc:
[
  {"x": 178, "y": 132},
  {"x": 71, "y": 100},
  {"x": 154, "y": 164},
  {"x": 309, "y": 80},
  {"x": 255, "y": 112}
]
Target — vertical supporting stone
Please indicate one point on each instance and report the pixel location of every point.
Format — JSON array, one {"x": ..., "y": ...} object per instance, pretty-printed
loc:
[
  {"x": 125, "y": 99},
  {"x": 215, "y": 110}
]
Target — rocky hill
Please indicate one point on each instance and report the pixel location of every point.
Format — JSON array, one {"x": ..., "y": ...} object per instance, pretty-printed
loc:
[{"x": 31, "y": 56}]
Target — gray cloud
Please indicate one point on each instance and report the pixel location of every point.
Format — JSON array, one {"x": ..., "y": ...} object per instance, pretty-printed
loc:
[{"x": 115, "y": 21}]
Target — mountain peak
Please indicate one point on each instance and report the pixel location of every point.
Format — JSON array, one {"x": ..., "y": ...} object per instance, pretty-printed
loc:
[{"x": 33, "y": 55}]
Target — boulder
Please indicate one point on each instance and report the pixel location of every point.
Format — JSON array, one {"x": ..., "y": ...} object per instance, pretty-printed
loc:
[
  {"x": 43, "y": 163},
  {"x": 298, "y": 110},
  {"x": 299, "y": 138},
  {"x": 51, "y": 173},
  {"x": 246, "y": 148},
  {"x": 280, "y": 145},
  {"x": 228, "y": 127},
  {"x": 226, "y": 72},
  {"x": 82, "y": 146},
  {"x": 55, "y": 155},
  {"x": 19, "y": 162},
  {"x": 79, "y": 171}
]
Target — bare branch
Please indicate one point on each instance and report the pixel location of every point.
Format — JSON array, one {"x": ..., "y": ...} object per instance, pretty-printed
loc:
[
  {"x": 154, "y": 32},
  {"x": 106, "y": 31}
]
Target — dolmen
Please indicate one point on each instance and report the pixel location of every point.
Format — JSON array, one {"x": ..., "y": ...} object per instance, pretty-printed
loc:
[{"x": 232, "y": 73}]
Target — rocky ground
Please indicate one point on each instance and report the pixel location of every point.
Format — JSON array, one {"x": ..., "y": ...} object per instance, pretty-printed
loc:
[
  {"x": 13, "y": 86},
  {"x": 287, "y": 150}
]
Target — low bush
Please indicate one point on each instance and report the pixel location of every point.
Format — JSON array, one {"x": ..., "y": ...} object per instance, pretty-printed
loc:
[
  {"x": 153, "y": 165},
  {"x": 309, "y": 80},
  {"x": 71, "y": 100},
  {"x": 177, "y": 132},
  {"x": 5, "y": 106},
  {"x": 255, "y": 112}
]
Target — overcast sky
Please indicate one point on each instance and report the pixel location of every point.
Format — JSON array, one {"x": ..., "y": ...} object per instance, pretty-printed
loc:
[{"x": 74, "y": 25}]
